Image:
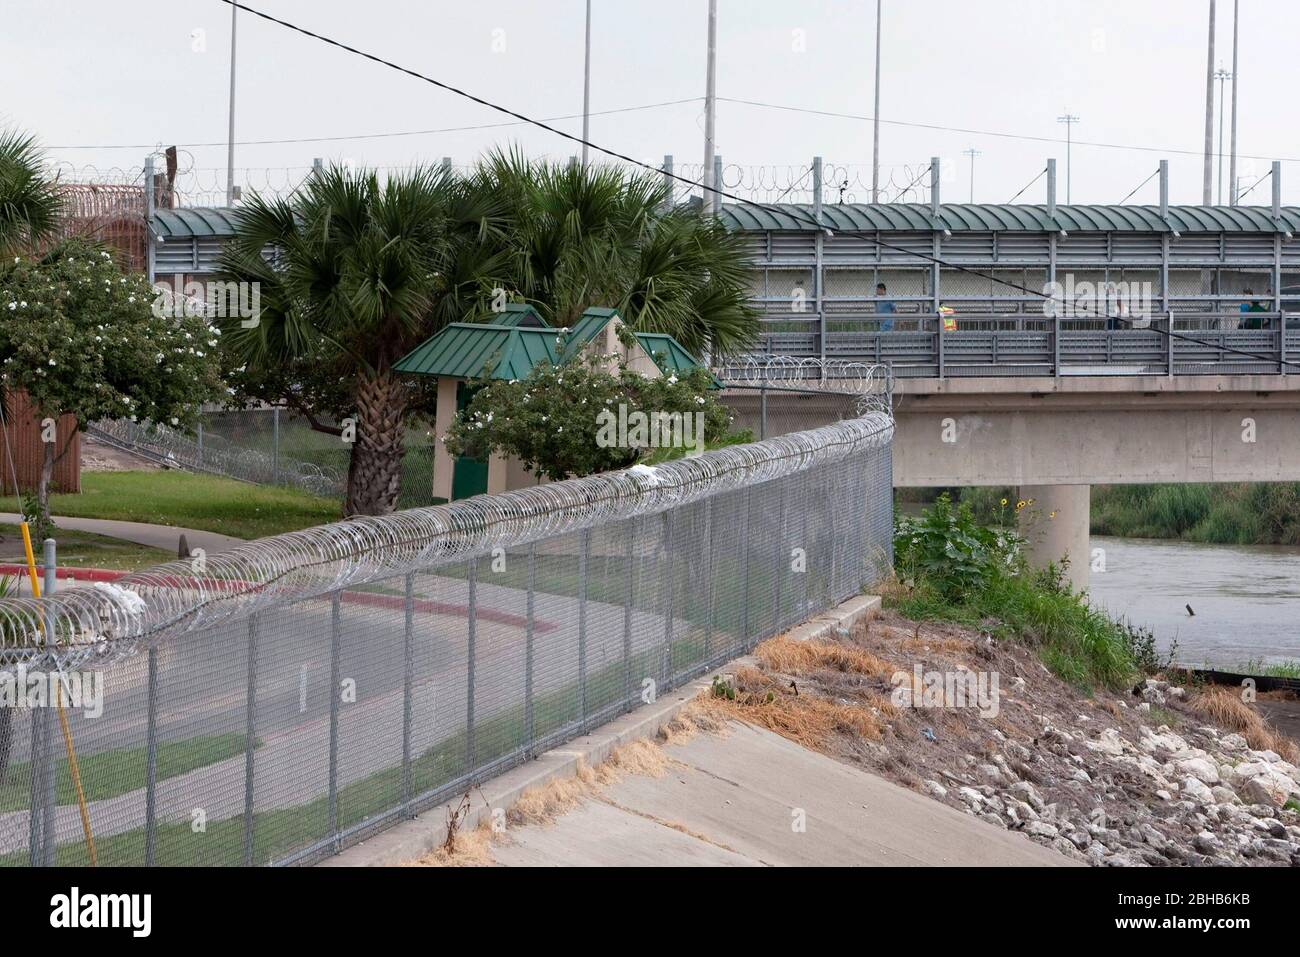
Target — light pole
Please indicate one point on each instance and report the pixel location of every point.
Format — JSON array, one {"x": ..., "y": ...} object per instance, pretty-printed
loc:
[
  {"x": 875, "y": 119},
  {"x": 1207, "y": 176},
  {"x": 1232, "y": 163},
  {"x": 1069, "y": 119},
  {"x": 230, "y": 139},
  {"x": 586, "y": 91},
  {"x": 1221, "y": 75},
  {"x": 710, "y": 110},
  {"x": 972, "y": 153}
]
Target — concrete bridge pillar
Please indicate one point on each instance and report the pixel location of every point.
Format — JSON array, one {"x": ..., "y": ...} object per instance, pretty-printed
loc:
[{"x": 1055, "y": 526}]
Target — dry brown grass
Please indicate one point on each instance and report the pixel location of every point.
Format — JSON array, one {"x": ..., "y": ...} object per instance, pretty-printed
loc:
[
  {"x": 805, "y": 719},
  {"x": 792, "y": 657},
  {"x": 542, "y": 805},
  {"x": 470, "y": 849},
  {"x": 1225, "y": 708}
]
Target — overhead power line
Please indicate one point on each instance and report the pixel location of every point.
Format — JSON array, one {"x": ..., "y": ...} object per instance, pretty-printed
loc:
[
  {"x": 793, "y": 212},
  {"x": 375, "y": 136},
  {"x": 976, "y": 132}
]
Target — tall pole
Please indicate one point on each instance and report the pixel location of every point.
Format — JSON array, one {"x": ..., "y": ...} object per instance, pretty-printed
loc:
[
  {"x": 875, "y": 119},
  {"x": 1232, "y": 163},
  {"x": 230, "y": 139},
  {"x": 586, "y": 91},
  {"x": 972, "y": 153},
  {"x": 710, "y": 108},
  {"x": 1069, "y": 119},
  {"x": 1221, "y": 75},
  {"x": 1207, "y": 175}
]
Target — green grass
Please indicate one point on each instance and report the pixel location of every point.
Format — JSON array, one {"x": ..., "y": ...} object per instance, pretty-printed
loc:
[
  {"x": 106, "y": 774},
  {"x": 84, "y": 550},
  {"x": 205, "y": 502},
  {"x": 1256, "y": 666},
  {"x": 1240, "y": 513},
  {"x": 1234, "y": 513},
  {"x": 1078, "y": 643}
]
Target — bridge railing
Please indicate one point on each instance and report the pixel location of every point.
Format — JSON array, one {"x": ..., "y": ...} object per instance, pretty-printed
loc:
[{"x": 920, "y": 345}]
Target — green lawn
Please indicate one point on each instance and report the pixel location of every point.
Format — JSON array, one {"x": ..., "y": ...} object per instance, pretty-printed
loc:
[
  {"x": 206, "y": 502},
  {"x": 83, "y": 550},
  {"x": 107, "y": 774}
]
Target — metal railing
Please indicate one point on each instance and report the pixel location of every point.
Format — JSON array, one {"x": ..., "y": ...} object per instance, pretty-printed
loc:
[
  {"x": 281, "y": 700},
  {"x": 981, "y": 345}
]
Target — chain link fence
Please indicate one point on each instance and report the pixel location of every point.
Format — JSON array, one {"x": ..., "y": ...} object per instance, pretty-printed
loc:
[
  {"x": 269, "y": 447},
  {"x": 282, "y": 700}
]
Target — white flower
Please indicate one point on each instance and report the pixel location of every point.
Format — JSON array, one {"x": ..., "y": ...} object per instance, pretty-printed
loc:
[
  {"x": 699, "y": 400},
  {"x": 175, "y": 421},
  {"x": 53, "y": 363},
  {"x": 672, "y": 379}
]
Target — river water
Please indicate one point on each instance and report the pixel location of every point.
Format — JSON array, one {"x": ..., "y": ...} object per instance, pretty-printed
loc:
[{"x": 1246, "y": 598}]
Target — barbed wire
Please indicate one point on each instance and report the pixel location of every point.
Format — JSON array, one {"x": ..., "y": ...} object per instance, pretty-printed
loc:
[
  {"x": 156, "y": 605},
  {"x": 872, "y": 384}
]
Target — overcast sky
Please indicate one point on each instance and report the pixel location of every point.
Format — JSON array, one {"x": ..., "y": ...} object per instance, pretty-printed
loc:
[{"x": 85, "y": 75}]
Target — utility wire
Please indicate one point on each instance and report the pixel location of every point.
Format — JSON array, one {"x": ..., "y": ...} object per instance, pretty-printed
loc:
[
  {"x": 1256, "y": 183},
  {"x": 792, "y": 212},
  {"x": 975, "y": 132},
  {"x": 373, "y": 136},
  {"x": 1139, "y": 186},
  {"x": 1027, "y": 185},
  {"x": 909, "y": 186}
]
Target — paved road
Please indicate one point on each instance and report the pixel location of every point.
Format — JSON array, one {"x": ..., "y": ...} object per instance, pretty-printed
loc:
[
  {"x": 731, "y": 801},
  {"x": 165, "y": 537}
]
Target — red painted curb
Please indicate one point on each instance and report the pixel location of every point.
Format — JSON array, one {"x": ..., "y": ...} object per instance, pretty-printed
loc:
[{"x": 423, "y": 605}]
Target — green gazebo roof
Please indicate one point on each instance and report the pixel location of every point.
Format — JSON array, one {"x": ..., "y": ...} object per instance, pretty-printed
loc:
[{"x": 517, "y": 339}]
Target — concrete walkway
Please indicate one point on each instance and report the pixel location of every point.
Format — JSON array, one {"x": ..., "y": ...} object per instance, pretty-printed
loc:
[
  {"x": 736, "y": 800},
  {"x": 165, "y": 537}
]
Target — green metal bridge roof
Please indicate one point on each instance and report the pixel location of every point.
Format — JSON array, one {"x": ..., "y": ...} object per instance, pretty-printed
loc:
[
  {"x": 202, "y": 221},
  {"x": 188, "y": 222},
  {"x": 981, "y": 217}
]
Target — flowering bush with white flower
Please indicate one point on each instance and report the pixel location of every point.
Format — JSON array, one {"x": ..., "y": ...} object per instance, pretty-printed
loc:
[
  {"x": 550, "y": 420},
  {"x": 80, "y": 338}
]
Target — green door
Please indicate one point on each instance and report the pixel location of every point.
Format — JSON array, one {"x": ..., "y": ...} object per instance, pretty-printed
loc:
[{"x": 469, "y": 476}]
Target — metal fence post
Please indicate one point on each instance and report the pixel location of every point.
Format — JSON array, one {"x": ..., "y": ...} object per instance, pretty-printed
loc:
[
  {"x": 744, "y": 570},
  {"x": 666, "y": 674},
  {"x": 1169, "y": 340},
  {"x": 630, "y": 571},
  {"x": 151, "y": 766},
  {"x": 780, "y": 549},
  {"x": 762, "y": 411},
  {"x": 1056, "y": 344},
  {"x": 408, "y": 683},
  {"x": 250, "y": 739},
  {"x": 471, "y": 653},
  {"x": 49, "y": 768},
  {"x": 708, "y": 579},
  {"x": 336, "y": 640},
  {"x": 275, "y": 445},
  {"x": 199, "y": 438},
  {"x": 530, "y": 624},
  {"x": 583, "y": 559}
]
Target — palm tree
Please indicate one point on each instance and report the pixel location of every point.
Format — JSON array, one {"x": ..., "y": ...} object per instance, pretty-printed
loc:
[
  {"x": 600, "y": 236},
  {"x": 360, "y": 273},
  {"x": 29, "y": 213},
  {"x": 29, "y": 204}
]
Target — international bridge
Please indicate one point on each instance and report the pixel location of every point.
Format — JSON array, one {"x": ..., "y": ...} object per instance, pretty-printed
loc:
[{"x": 1044, "y": 346}]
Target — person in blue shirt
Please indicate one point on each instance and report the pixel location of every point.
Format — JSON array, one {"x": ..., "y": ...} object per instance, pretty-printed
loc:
[{"x": 884, "y": 308}]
